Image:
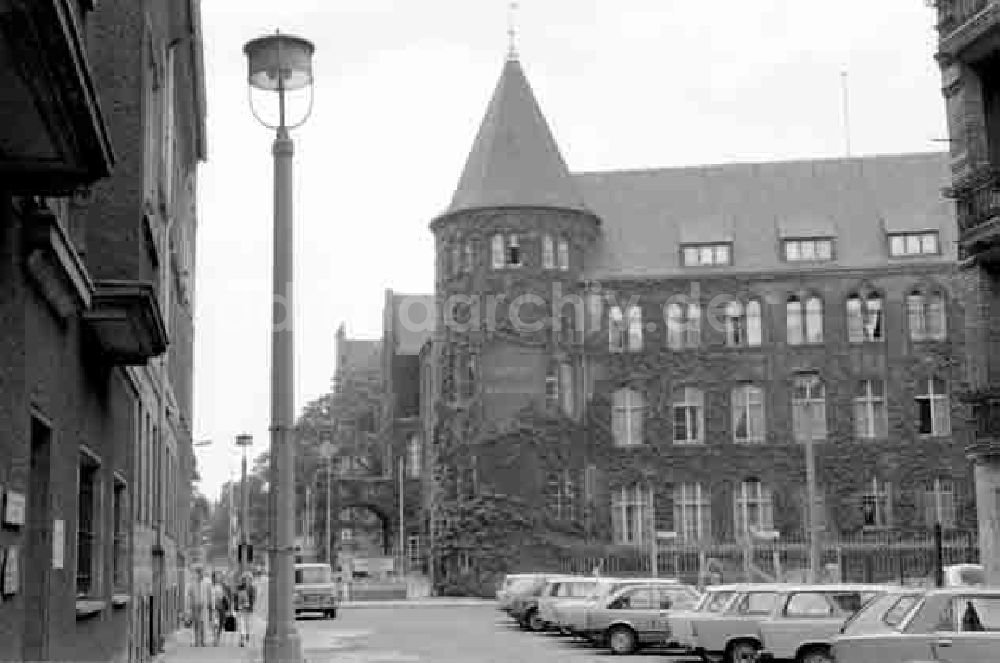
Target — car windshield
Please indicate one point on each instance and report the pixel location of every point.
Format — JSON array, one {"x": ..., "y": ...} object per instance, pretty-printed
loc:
[
  {"x": 714, "y": 601},
  {"x": 312, "y": 575}
]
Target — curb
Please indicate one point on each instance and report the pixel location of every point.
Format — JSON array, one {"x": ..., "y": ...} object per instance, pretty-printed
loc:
[{"x": 417, "y": 603}]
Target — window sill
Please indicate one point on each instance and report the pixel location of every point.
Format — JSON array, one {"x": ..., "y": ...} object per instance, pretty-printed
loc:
[
  {"x": 89, "y": 607},
  {"x": 689, "y": 443},
  {"x": 119, "y": 600}
]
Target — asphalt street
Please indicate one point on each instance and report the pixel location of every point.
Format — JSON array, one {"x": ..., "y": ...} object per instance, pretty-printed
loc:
[{"x": 477, "y": 634}]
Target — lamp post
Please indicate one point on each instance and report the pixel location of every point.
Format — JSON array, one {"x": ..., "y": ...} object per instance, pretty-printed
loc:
[
  {"x": 805, "y": 434},
  {"x": 243, "y": 441},
  {"x": 281, "y": 63}
]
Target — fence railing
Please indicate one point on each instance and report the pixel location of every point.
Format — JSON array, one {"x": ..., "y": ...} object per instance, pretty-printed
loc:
[{"x": 882, "y": 557}]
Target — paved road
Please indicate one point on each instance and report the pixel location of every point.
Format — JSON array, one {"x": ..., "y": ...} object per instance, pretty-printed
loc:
[{"x": 447, "y": 635}]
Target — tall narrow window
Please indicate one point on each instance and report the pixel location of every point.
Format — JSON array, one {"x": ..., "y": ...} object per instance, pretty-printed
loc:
[
  {"x": 87, "y": 523},
  {"x": 627, "y": 415},
  {"x": 808, "y": 408},
  {"x": 683, "y": 326},
  {"x": 814, "y": 320},
  {"x": 548, "y": 252},
  {"x": 630, "y": 511},
  {"x": 864, "y": 318},
  {"x": 804, "y": 320},
  {"x": 876, "y": 505},
  {"x": 939, "y": 504},
  {"x": 869, "y": 409},
  {"x": 513, "y": 251},
  {"x": 414, "y": 452},
  {"x": 634, "y": 329},
  {"x": 552, "y": 387},
  {"x": 616, "y": 330},
  {"x": 693, "y": 512},
  {"x": 566, "y": 391},
  {"x": 748, "y": 414},
  {"x": 496, "y": 251},
  {"x": 742, "y": 324},
  {"x": 689, "y": 413},
  {"x": 120, "y": 556},
  {"x": 926, "y": 317},
  {"x": 470, "y": 256},
  {"x": 754, "y": 326},
  {"x": 563, "y": 254},
  {"x": 561, "y": 489},
  {"x": 754, "y": 509},
  {"x": 794, "y": 321},
  {"x": 933, "y": 408},
  {"x": 456, "y": 258}
]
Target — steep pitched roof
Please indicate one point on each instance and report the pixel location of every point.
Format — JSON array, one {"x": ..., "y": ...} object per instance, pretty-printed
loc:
[
  {"x": 647, "y": 215},
  {"x": 514, "y": 159}
]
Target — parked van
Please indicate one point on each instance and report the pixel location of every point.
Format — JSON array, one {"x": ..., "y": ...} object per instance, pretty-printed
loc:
[{"x": 316, "y": 590}]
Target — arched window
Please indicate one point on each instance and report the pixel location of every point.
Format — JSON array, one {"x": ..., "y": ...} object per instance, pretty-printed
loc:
[
  {"x": 683, "y": 325},
  {"x": 804, "y": 321},
  {"x": 548, "y": 252},
  {"x": 864, "y": 318},
  {"x": 616, "y": 330},
  {"x": 742, "y": 324},
  {"x": 794, "y": 322},
  {"x": 748, "y": 413},
  {"x": 470, "y": 256},
  {"x": 933, "y": 408},
  {"x": 814, "y": 320},
  {"x": 926, "y": 316},
  {"x": 627, "y": 414},
  {"x": 563, "y": 253}
]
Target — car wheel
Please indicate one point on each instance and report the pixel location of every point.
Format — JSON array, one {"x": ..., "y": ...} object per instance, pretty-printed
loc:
[
  {"x": 535, "y": 621},
  {"x": 743, "y": 651},
  {"x": 622, "y": 640},
  {"x": 816, "y": 655}
]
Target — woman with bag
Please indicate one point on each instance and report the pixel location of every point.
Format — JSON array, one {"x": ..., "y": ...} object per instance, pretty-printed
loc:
[
  {"x": 245, "y": 595},
  {"x": 220, "y": 605}
]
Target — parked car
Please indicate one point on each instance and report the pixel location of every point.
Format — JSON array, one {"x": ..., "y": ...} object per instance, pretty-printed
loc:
[
  {"x": 713, "y": 601},
  {"x": 504, "y": 591},
  {"x": 573, "y": 589},
  {"x": 732, "y": 632},
  {"x": 315, "y": 590},
  {"x": 808, "y": 618},
  {"x": 524, "y": 606},
  {"x": 950, "y": 625},
  {"x": 882, "y": 613},
  {"x": 636, "y": 616},
  {"x": 571, "y": 618}
]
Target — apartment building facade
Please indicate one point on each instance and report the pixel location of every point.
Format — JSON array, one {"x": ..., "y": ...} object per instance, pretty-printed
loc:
[
  {"x": 969, "y": 57},
  {"x": 87, "y": 265}
]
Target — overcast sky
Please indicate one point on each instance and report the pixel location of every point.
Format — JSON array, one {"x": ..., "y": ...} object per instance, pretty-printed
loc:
[{"x": 400, "y": 90}]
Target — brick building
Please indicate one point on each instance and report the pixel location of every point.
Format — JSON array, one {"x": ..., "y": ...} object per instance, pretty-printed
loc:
[
  {"x": 969, "y": 56},
  {"x": 97, "y": 216},
  {"x": 640, "y": 352}
]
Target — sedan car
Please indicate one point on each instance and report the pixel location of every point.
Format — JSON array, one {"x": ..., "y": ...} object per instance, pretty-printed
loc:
[
  {"x": 952, "y": 625},
  {"x": 636, "y": 616}
]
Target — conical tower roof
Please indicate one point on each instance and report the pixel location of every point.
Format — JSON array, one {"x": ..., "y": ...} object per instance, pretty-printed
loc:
[{"x": 514, "y": 160}]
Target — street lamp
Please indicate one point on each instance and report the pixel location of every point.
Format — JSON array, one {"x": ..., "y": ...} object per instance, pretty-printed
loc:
[
  {"x": 805, "y": 427},
  {"x": 281, "y": 63}
]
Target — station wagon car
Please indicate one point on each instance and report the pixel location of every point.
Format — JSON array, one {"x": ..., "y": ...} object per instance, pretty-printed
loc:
[
  {"x": 572, "y": 618},
  {"x": 636, "y": 616},
  {"x": 574, "y": 589},
  {"x": 807, "y": 619},
  {"x": 953, "y": 625},
  {"x": 732, "y": 632},
  {"x": 524, "y": 607},
  {"x": 714, "y": 601}
]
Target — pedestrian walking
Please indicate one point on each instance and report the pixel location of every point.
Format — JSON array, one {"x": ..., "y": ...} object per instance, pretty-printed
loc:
[
  {"x": 245, "y": 599},
  {"x": 220, "y": 605},
  {"x": 201, "y": 606}
]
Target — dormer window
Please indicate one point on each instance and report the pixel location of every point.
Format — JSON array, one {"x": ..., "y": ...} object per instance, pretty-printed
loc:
[
  {"x": 707, "y": 255},
  {"x": 903, "y": 245},
  {"x": 808, "y": 250}
]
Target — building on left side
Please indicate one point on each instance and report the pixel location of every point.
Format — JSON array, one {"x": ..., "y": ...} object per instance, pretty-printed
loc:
[{"x": 101, "y": 133}]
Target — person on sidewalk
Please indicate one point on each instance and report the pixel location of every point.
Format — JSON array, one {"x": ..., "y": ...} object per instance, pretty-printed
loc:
[
  {"x": 245, "y": 595},
  {"x": 220, "y": 606},
  {"x": 201, "y": 601}
]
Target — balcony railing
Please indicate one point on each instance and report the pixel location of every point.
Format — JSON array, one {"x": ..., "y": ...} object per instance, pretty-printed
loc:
[
  {"x": 980, "y": 205},
  {"x": 954, "y": 13}
]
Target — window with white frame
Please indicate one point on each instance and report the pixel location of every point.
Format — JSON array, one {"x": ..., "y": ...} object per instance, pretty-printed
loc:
[
  {"x": 634, "y": 315},
  {"x": 742, "y": 324},
  {"x": 566, "y": 391},
  {"x": 689, "y": 415},
  {"x": 869, "y": 409},
  {"x": 933, "y": 408},
  {"x": 939, "y": 503},
  {"x": 513, "y": 251},
  {"x": 808, "y": 250},
  {"x": 496, "y": 251},
  {"x": 808, "y": 407},
  {"x": 926, "y": 316},
  {"x": 630, "y": 514},
  {"x": 748, "y": 413},
  {"x": 548, "y": 252},
  {"x": 804, "y": 320},
  {"x": 865, "y": 318},
  {"x": 413, "y": 554},
  {"x": 876, "y": 505},
  {"x": 627, "y": 413},
  {"x": 913, "y": 244},
  {"x": 616, "y": 330},
  {"x": 683, "y": 325},
  {"x": 414, "y": 456},
  {"x": 563, "y": 253},
  {"x": 88, "y": 523},
  {"x": 560, "y": 494},
  {"x": 456, "y": 258},
  {"x": 754, "y": 508},
  {"x": 705, "y": 255},
  {"x": 693, "y": 512},
  {"x": 470, "y": 256}
]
